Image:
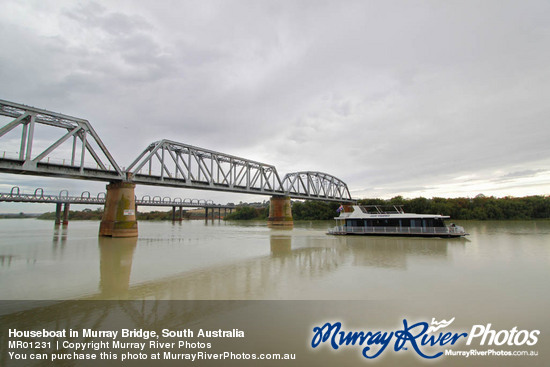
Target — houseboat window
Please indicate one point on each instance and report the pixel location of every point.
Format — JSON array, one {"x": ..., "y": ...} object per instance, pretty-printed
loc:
[
  {"x": 393, "y": 222},
  {"x": 355, "y": 223},
  {"x": 429, "y": 222},
  {"x": 379, "y": 222}
]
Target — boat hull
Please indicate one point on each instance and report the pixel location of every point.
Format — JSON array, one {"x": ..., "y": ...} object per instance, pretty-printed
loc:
[
  {"x": 442, "y": 232},
  {"x": 436, "y": 235}
]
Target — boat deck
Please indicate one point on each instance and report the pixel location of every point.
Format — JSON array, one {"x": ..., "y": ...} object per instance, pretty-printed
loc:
[{"x": 447, "y": 232}]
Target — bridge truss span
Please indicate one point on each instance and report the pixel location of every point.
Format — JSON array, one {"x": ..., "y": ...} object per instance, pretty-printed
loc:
[
  {"x": 316, "y": 186},
  {"x": 44, "y": 147},
  {"x": 45, "y": 143},
  {"x": 170, "y": 163}
]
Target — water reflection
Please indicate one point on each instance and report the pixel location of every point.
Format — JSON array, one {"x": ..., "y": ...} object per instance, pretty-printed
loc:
[
  {"x": 115, "y": 265},
  {"x": 511, "y": 228},
  {"x": 6, "y": 260},
  {"x": 249, "y": 279},
  {"x": 503, "y": 267},
  {"x": 261, "y": 277},
  {"x": 393, "y": 252},
  {"x": 59, "y": 237},
  {"x": 280, "y": 245}
]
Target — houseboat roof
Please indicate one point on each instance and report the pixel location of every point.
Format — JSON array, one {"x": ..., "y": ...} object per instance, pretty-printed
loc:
[{"x": 379, "y": 211}]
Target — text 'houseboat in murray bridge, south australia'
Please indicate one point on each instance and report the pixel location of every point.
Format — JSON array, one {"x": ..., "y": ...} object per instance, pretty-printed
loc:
[{"x": 375, "y": 220}]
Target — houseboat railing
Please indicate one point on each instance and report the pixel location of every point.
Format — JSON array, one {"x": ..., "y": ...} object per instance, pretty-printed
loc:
[{"x": 458, "y": 230}]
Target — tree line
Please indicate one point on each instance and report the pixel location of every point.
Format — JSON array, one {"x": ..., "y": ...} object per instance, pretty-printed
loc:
[
  {"x": 88, "y": 214},
  {"x": 246, "y": 212},
  {"x": 480, "y": 208}
]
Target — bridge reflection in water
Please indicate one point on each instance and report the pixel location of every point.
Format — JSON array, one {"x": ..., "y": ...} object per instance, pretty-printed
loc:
[
  {"x": 145, "y": 306},
  {"x": 255, "y": 278},
  {"x": 260, "y": 277}
]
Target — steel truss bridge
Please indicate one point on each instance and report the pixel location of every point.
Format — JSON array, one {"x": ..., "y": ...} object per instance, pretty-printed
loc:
[
  {"x": 38, "y": 196},
  {"x": 53, "y": 144}
]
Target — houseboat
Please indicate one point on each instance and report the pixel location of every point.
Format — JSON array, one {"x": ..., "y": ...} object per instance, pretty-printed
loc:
[{"x": 376, "y": 220}]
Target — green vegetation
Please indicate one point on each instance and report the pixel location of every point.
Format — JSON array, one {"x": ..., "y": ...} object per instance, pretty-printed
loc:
[
  {"x": 155, "y": 215},
  {"x": 248, "y": 212},
  {"x": 314, "y": 210},
  {"x": 481, "y": 207},
  {"x": 18, "y": 215},
  {"x": 86, "y": 214}
]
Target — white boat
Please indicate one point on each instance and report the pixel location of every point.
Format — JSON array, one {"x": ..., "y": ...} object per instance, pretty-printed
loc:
[{"x": 374, "y": 220}]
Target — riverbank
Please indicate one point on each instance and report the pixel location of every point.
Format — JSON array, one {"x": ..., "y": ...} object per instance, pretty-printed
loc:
[{"x": 478, "y": 208}]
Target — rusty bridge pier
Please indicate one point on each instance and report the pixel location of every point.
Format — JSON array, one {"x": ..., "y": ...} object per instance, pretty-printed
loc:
[
  {"x": 280, "y": 213},
  {"x": 119, "y": 217}
]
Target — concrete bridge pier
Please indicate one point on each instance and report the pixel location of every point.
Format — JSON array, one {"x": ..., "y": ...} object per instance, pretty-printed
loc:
[
  {"x": 179, "y": 216},
  {"x": 119, "y": 217},
  {"x": 280, "y": 213},
  {"x": 58, "y": 213},
  {"x": 58, "y": 218},
  {"x": 210, "y": 213},
  {"x": 66, "y": 213}
]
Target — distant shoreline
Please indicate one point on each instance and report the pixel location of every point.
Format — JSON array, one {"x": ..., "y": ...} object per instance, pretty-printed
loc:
[
  {"x": 19, "y": 215},
  {"x": 479, "y": 208}
]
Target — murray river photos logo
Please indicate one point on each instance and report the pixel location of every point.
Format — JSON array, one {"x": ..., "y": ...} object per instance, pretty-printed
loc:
[{"x": 429, "y": 341}]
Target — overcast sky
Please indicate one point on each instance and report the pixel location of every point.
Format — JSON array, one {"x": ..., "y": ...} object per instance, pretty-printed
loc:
[{"x": 411, "y": 98}]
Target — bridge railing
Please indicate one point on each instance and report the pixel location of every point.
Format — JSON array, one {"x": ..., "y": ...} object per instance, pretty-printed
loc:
[{"x": 15, "y": 195}]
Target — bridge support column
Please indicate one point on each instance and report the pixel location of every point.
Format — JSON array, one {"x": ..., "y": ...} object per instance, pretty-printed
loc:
[
  {"x": 179, "y": 216},
  {"x": 119, "y": 217},
  {"x": 280, "y": 214},
  {"x": 66, "y": 214},
  {"x": 58, "y": 213}
]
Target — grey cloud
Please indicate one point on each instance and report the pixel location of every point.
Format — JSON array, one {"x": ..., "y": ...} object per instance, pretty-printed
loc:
[
  {"x": 396, "y": 95},
  {"x": 92, "y": 15},
  {"x": 520, "y": 174}
]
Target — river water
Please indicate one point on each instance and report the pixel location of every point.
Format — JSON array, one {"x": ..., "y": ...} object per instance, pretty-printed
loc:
[{"x": 499, "y": 274}]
